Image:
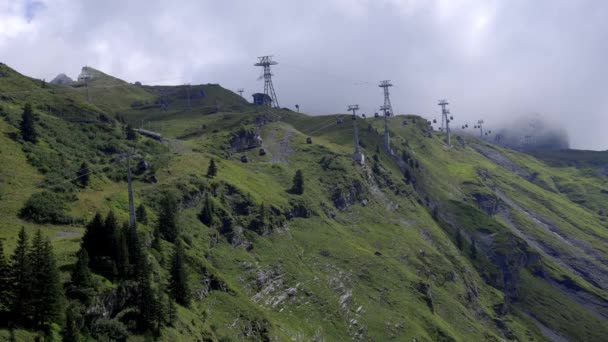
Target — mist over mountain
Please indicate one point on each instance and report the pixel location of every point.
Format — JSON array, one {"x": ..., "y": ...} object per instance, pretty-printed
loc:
[
  {"x": 524, "y": 133},
  {"x": 490, "y": 59}
]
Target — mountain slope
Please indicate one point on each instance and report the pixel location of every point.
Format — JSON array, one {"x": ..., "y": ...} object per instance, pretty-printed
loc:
[{"x": 432, "y": 243}]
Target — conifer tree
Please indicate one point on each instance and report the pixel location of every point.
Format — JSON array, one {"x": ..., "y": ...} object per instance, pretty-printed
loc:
[
  {"x": 171, "y": 311},
  {"x": 178, "y": 282},
  {"x": 298, "y": 183},
  {"x": 28, "y": 130},
  {"x": 20, "y": 278},
  {"x": 83, "y": 174},
  {"x": 207, "y": 214},
  {"x": 212, "y": 170},
  {"x": 145, "y": 305},
  {"x": 121, "y": 251},
  {"x": 130, "y": 132},
  {"x": 70, "y": 332},
  {"x": 473, "y": 250},
  {"x": 92, "y": 237},
  {"x": 262, "y": 217},
  {"x": 151, "y": 314},
  {"x": 458, "y": 240},
  {"x": 156, "y": 239},
  {"x": 108, "y": 236},
  {"x": 142, "y": 214},
  {"x": 5, "y": 293},
  {"x": 136, "y": 254},
  {"x": 47, "y": 292},
  {"x": 167, "y": 218},
  {"x": 81, "y": 274}
]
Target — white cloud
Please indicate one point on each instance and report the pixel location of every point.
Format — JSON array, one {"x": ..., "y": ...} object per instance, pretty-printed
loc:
[{"x": 491, "y": 58}]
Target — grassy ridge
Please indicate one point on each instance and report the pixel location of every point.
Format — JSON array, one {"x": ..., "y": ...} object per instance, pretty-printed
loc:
[{"x": 364, "y": 253}]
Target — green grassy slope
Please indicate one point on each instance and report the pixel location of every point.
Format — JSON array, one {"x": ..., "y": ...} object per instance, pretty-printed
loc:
[{"x": 365, "y": 253}]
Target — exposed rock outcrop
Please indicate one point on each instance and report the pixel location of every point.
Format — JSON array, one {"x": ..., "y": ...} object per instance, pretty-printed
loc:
[
  {"x": 244, "y": 140},
  {"x": 62, "y": 79}
]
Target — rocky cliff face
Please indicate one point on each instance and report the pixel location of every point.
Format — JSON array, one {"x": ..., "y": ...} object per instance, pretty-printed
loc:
[{"x": 245, "y": 140}]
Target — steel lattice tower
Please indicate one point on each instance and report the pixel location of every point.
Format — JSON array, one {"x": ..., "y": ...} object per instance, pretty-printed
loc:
[
  {"x": 357, "y": 156},
  {"x": 480, "y": 126},
  {"x": 445, "y": 120},
  {"x": 387, "y": 108},
  {"x": 387, "y": 138},
  {"x": 266, "y": 62},
  {"x": 240, "y": 91}
]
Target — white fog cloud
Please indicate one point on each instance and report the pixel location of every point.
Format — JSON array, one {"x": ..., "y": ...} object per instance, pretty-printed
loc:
[{"x": 493, "y": 59}]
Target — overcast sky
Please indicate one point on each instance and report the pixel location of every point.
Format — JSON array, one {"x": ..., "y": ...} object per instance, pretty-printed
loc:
[{"x": 491, "y": 59}]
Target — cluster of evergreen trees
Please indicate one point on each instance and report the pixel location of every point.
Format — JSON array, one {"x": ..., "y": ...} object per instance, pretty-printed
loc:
[
  {"x": 31, "y": 295},
  {"x": 115, "y": 253}
]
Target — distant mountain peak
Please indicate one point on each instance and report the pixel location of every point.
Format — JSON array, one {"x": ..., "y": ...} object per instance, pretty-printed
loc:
[{"x": 62, "y": 79}]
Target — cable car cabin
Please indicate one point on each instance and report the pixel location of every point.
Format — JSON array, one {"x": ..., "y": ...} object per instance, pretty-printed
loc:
[
  {"x": 363, "y": 116},
  {"x": 309, "y": 140},
  {"x": 376, "y": 115},
  {"x": 413, "y": 120},
  {"x": 339, "y": 121},
  {"x": 260, "y": 99},
  {"x": 244, "y": 159},
  {"x": 434, "y": 120},
  {"x": 262, "y": 152},
  {"x": 404, "y": 122}
]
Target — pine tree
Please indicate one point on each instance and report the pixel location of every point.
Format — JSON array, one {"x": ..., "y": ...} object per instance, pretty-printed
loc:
[
  {"x": 5, "y": 293},
  {"x": 263, "y": 216},
  {"x": 91, "y": 238},
  {"x": 151, "y": 313},
  {"x": 298, "y": 183},
  {"x": 28, "y": 131},
  {"x": 212, "y": 170},
  {"x": 156, "y": 239},
  {"x": 142, "y": 214},
  {"x": 136, "y": 254},
  {"x": 407, "y": 175},
  {"x": 121, "y": 252},
  {"x": 207, "y": 214},
  {"x": 473, "y": 250},
  {"x": 178, "y": 282},
  {"x": 81, "y": 274},
  {"x": 70, "y": 332},
  {"x": 20, "y": 278},
  {"x": 171, "y": 312},
  {"x": 108, "y": 267},
  {"x": 100, "y": 242},
  {"x": 167, "y": 218},
  {"x": 47, "y": 291},
  {"x": 458, "y": 240},
  {"x": 130, "y": 132},
  {"x": 83, "y": 174},
  {"x": 145, "y": 305}
]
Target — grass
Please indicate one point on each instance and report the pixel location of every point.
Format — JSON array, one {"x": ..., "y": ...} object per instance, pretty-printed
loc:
[{"x": 356, "y": 271}]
